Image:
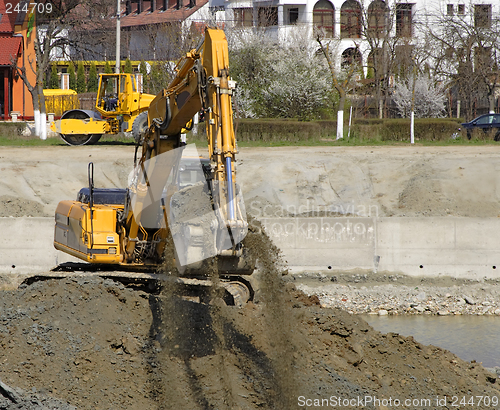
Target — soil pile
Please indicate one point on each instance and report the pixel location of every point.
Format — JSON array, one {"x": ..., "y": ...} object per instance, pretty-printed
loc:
[
  {"x": 96, "y": 344},
  {"x": 17, "y": 207}
]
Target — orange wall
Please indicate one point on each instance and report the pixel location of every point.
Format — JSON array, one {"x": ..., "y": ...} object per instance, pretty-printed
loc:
[{"x": 21, "y": 97}]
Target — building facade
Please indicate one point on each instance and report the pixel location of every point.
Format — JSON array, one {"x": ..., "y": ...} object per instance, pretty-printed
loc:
[
  {"x": 16, "y": 48},
  {"x": 354, "y": 25}
]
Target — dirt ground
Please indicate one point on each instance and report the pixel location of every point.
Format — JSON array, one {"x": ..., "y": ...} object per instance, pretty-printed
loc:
[
  {"x": 384, "y": 181},
  {"x": 93, "y": 343}
]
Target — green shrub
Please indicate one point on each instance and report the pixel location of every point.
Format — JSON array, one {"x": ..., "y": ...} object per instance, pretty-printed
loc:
[{"x": 426, "y": 129}]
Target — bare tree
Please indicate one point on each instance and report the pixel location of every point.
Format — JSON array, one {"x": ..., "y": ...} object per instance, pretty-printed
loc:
[
  {"x": 50, "y": 41},
  {"x": 377, "y": 23},
  {"x": 341, "y": 81},
  {"x": 466, "y": 52}
]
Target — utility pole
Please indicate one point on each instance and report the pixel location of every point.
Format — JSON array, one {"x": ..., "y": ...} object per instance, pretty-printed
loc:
[{"x": 117, "y": 63}]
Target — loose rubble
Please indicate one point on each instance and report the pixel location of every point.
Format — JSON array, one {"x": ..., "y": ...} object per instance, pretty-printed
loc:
[{"x": 399, "y": 294}]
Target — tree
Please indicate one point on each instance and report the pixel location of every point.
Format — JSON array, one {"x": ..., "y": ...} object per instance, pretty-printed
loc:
[
  {"x": 54, "y": 79},
  {"x": 92, "y": 82},
  {"x": 465, "y": 51},
  {"x": 159, "y": 77},
  {"x": 72, "y": 76},
  {"x": 81, "y": 83},
  {"x": 143, "y": 69},
  {"x": 340, "y": 82},
  {"x": 377, "y": 22},
  {"x": 428, "y": 98},
  {"x": 278, "y": 81},
  {"x": 128, "y": 66},
  {"x": 49, "y": 38}
]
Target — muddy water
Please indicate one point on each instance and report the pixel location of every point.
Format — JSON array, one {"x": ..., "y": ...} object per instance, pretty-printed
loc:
[{"x": 469, "y": 337}]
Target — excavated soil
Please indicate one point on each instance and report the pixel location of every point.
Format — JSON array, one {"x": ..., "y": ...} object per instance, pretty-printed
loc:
[{"x": 95, "y": 344}]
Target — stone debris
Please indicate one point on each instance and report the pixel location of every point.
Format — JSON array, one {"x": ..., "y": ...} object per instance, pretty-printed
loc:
[
  {"x": 395, "y": 298},
  {"x": 19, "y": 399}
]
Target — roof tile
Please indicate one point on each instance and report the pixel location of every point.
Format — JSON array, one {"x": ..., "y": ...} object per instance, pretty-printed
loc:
[{"x": 9, "y": 47}]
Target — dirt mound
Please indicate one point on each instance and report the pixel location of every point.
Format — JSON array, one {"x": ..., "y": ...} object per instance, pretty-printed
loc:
[
  {"x": 16, "y": 207},
  {"x": 93, "y": 343}
]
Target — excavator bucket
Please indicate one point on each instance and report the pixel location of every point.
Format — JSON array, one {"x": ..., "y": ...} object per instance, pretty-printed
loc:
[{"x": 174, "y": 192}]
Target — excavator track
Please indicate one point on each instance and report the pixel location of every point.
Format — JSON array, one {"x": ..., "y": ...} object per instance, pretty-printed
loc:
[{"x": 234, "y": 290}]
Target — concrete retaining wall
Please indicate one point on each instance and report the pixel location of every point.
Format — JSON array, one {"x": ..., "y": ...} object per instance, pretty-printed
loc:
[
  {"x": 26, "y": 246},
  {"x": 459, "y": 247}
]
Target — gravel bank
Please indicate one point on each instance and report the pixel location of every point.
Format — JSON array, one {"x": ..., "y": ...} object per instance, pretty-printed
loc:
[{"x": 398, "y": 294}]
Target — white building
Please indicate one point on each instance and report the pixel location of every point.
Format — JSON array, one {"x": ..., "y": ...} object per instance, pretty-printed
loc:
[{"x": 349, "y": 22}]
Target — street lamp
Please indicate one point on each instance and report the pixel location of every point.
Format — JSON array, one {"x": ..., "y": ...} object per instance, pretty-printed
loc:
[{"x": 117, "y": 63}]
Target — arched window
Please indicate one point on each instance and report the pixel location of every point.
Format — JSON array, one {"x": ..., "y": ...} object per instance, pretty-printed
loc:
[
  {"x": 378, "y": 13},
  {"x": 350, "y": 19},
  {"x": 351, "y": 56},
  {"x": 323, "y": 17}
]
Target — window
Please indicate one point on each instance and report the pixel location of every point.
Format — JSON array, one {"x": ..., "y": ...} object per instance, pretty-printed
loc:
[
  {"x": 350, "y": 19},
  {"x": 404, "y": 23},
  {"x": 449, "y": 10},
  {"x": 323, "y": 17},
  {"x": 482, "y": 15},
  {"x": 377, "y": 19},
  {"x": 293, "y": 15},
  {"x": 268, "y": 16},
  {"x": 351, "y": 56},
  {"x": 243, "y": 17},
  {"x": 461, "y": 9}
]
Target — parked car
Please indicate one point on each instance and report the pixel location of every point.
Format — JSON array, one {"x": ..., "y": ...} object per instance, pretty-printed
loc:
[{"x": 484, "y": 122}]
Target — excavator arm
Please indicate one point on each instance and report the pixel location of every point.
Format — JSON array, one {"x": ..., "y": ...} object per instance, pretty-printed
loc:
[{"x": 202, "y": 84}]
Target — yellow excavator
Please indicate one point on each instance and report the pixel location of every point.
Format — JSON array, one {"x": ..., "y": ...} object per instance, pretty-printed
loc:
[
  {"x": 120, "y": 107},
  {"x": 178, "y": 210}
]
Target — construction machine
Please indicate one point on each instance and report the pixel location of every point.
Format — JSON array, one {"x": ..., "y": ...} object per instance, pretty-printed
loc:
[
  {"x": 178, "y": 211},
  {"x": 119, "y": 107}
]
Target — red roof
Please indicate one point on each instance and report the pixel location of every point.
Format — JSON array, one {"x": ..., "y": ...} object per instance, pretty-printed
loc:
[
  {"x": 9, "y": 48},
  {"x": 7, "y": 19},
  {"x": 160, "y": 16}
]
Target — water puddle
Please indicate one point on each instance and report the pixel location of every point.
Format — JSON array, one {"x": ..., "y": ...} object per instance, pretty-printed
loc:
[{"x": 469, "y": 337}]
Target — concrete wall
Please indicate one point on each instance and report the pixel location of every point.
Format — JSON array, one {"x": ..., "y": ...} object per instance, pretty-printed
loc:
[
  {"x": 460, "y": 247},
  {"x": 26, "y": 246}
]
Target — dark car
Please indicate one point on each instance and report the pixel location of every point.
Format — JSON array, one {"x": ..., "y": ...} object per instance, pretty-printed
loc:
[{"x": 484, "y": 122}]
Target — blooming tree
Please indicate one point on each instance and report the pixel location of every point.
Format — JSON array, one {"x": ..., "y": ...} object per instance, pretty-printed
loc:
[{"x": 429, "y": 98}]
